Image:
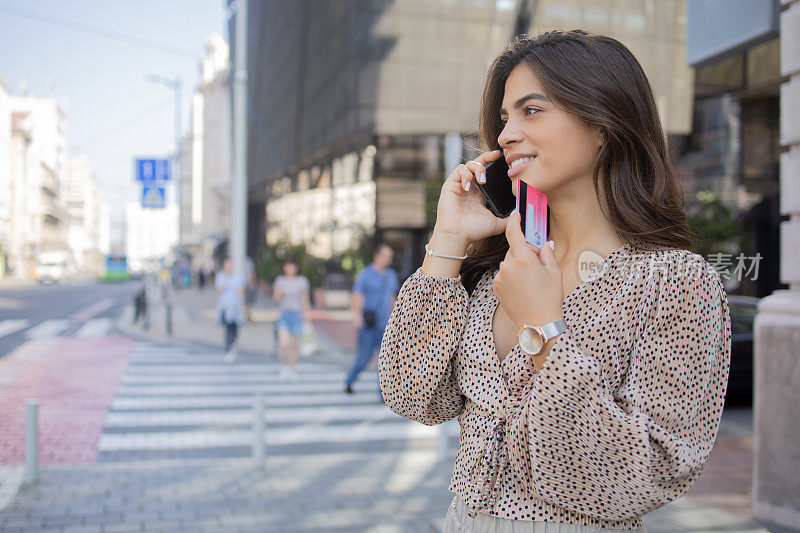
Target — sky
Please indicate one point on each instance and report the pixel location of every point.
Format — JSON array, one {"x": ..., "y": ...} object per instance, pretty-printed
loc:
[{"x": 114, "y": 114}]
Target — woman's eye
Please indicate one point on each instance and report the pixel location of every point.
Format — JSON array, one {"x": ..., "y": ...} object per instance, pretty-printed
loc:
[{"x": 528, "y": 112}]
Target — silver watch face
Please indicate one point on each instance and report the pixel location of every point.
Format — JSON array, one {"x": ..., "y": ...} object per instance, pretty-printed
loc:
[{"x": 530, "y": 340}]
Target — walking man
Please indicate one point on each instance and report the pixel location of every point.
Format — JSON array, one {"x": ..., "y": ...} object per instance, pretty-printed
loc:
[{"x": 374, "y": 293}]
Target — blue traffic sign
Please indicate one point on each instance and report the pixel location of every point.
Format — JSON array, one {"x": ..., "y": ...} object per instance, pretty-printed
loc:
[
  {"x": 153, "y": 197},
  {"x": 153, "y": 170}
]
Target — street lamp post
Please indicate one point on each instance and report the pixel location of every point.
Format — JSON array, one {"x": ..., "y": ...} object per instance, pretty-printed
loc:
[{"x": 238, "y": 239}]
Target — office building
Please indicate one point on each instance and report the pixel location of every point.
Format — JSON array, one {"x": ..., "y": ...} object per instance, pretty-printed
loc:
[{"x": 360, "y": 109}]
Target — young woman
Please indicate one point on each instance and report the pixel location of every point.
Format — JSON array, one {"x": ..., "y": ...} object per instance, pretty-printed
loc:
[
  {"x": 583, "y": 404},
  {"x": 291, "y": 292}
]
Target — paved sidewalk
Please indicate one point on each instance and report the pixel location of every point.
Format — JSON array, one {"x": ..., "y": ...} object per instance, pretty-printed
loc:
[
  {"x": 7, "y": 282},
  {"x": 193, "y": 322},
  {"x": 174, "y": 455}
]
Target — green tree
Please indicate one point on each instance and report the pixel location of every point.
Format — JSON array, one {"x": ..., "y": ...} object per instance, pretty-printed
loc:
[
  {"x": 715, "y": 227},
  {"x": 351, "y": 261}
]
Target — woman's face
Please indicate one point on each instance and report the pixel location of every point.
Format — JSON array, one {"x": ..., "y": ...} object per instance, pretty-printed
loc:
[
  {"x": 290, "y": 269},
  {"x": 561, "y": 147}
]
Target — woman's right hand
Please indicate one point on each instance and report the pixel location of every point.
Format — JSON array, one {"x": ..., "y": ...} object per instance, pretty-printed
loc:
[{"x": 462, "y": 214}]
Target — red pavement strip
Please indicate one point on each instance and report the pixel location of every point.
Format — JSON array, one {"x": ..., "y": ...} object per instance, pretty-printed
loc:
[
  {"x": 75, "y": 381},
  {"x": 341, "y": 332}
]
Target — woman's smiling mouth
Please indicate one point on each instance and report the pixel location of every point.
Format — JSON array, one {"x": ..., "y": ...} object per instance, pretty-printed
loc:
[{"x": 518, "y": 164}]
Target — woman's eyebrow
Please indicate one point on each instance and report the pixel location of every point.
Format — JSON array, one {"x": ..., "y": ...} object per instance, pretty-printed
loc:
[{"x": 519, "y": 103}]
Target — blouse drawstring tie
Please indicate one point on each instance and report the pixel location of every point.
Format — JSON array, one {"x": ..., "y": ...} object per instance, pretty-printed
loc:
[{"x": 493, "y": 462}]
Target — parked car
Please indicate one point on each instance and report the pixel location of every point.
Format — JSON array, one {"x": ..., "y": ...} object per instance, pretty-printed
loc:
[
  {"x": 53, "y": 267},
  {"x": 740, "y": 382}
]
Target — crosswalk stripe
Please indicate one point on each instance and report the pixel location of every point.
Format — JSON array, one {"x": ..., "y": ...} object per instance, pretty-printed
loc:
[
  {"x": 96, "y": 327},
  {"x": 222, "y": 369},
  {"x": 266, "y": 377},
  {"x": 210, "y": 402},
  {"x": 93, "y": 310},
  {"x": 297, "y": 435},
  {"x": 47, "y": 329},
  {"x": 7, "y": 327},
  {"x": 173, "y": 401},
  {"x": 244, "y": 388},
  {"x": 237, "y": 417}
]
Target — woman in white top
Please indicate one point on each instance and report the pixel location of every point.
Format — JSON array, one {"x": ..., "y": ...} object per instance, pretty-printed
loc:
[{"x": 230, "y": 288}]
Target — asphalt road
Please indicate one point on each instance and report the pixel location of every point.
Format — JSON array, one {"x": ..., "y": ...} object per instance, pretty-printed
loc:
[{"x": 40, "y": 311}]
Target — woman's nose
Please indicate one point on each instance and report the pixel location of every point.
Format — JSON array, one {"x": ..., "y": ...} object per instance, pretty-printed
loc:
[{"x": 508, "y": 135}]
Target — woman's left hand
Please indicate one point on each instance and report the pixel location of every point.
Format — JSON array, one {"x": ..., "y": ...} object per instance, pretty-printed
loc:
[{"x": 529, "y": 284}]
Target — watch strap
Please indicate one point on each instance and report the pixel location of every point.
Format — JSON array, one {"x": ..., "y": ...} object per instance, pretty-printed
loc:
[{"x": 551, "y": 329}]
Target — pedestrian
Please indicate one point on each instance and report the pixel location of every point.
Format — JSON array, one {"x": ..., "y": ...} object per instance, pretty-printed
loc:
[
  {"x": 251, "y": 291},
  {"x": 230, "y": 288},
  {"x": 584, "y": 401},
  {"x": 140, "y": 305},
  {"x": 208, "y": 273},
  {"x": 291, "y": 292},
  {"x": 201, "y": 278},
  {"x": 374, "y": 294}
]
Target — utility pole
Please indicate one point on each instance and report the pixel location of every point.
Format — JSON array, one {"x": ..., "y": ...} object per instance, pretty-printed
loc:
[{"x": 238, "y": 235}]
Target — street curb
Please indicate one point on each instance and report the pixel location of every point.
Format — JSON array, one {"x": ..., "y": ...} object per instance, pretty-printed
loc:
[
  {"x": 341, "y": 356},
  {"x": 122, "y": 325}
]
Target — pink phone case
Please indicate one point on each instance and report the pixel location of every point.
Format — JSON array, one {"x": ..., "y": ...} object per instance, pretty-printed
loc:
[{"x": 532, "y": 206}]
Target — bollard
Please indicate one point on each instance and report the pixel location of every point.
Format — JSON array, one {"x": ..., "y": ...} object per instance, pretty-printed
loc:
[
  {"x": 258, "y": 430},
  {"x": 169, "y": 319},
  {"x": 31, "y": 441}
]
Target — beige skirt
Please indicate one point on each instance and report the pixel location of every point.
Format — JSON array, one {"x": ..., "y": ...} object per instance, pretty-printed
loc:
[{"x": 459, "y": 521}]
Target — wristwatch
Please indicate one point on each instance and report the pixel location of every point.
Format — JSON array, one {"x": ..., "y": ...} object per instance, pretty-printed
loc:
[{"x": 533, "y": 338}]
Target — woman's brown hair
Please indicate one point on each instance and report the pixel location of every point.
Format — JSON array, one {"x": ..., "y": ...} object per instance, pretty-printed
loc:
[{"x": 599, "y": 80}]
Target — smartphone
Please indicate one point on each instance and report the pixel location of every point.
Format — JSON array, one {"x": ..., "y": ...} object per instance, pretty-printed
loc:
[
  {"x": 534, "y": 213},
  {"x": 497, "y": 189}
]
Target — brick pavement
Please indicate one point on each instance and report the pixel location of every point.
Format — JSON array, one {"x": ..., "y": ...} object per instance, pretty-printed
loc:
[
  {"x": 333, "y": 492},
  {"x": 74, "y": 380}
]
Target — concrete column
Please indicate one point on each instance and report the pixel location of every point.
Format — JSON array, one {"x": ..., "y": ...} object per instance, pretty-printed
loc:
[{"x": 776, "y": 409}]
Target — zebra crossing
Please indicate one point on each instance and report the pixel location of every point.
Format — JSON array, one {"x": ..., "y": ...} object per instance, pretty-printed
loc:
[
  {"x": 172, "y": 403},
  {"x": 46, "y": 329},
  {"x": 12, "y": 325}
]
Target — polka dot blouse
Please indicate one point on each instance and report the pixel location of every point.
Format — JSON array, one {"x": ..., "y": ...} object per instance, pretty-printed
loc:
[{"x": 623, "y": 414}]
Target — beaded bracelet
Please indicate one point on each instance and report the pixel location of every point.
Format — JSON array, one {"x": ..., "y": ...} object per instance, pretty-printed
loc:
[{"x": 431, "y": 252}]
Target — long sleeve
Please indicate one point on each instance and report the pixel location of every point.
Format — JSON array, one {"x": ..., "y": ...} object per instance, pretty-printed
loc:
[
  {"x": 418, "y": 347},
  {"x": 618, "y": 454}
]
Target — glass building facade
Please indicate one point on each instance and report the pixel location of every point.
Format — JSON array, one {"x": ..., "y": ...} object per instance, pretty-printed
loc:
[
  {"x": 359, "y": 109},
  {"x": 731, "y": 159}
]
